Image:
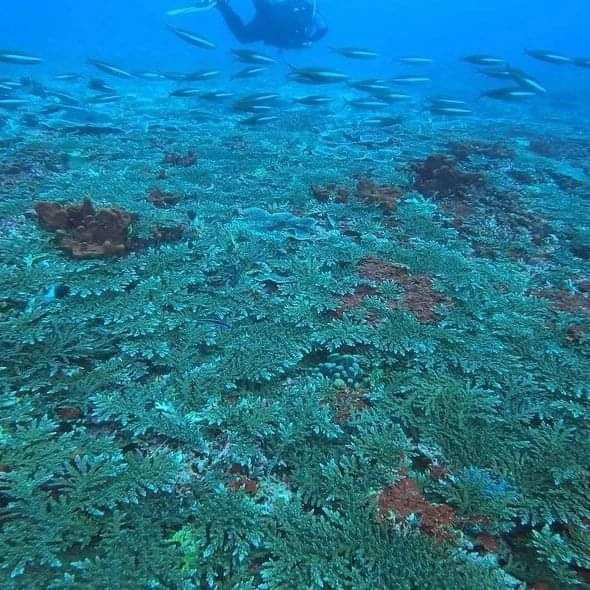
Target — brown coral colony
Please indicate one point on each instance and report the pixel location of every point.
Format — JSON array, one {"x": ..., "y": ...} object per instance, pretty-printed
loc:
[{"x": 83, "y": 231}]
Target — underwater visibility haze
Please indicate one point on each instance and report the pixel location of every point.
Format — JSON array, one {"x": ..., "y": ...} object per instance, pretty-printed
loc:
[{"x": 295, "y": 295}]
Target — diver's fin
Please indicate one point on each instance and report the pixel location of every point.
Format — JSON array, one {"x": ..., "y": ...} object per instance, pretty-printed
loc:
[{"x": 198, "y": 7}]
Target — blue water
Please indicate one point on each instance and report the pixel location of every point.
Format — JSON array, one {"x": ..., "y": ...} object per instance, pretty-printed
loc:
[{"x": 66, "y": 32}]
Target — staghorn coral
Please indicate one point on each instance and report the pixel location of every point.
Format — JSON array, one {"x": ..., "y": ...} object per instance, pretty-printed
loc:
[{"x": 166, "y": 424}]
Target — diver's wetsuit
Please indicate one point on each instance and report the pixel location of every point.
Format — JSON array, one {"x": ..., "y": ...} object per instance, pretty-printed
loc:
[{"x": 290, "y": 24}]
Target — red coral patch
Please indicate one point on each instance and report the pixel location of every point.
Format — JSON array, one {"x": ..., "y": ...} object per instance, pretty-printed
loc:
[
  {"x": 386, "y": 197},
  {"x": 419, "y": 296},
  {"x": 405, "y": 498}
]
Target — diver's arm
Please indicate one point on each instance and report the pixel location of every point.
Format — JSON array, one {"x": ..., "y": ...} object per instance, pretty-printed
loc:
[{"x": 244, "y": 33}]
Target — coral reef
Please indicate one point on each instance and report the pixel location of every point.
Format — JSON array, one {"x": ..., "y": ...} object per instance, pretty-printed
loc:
[
  {"x": 404, "y": 501},
  {"x": 384, "y": 197},
  {"x": 163, "y": 199},
  {"x": 438, "y": 175},
  {"x": 372, "y": 380},
  {"x": 329, "y": 192},
  {"x": 85, "y": 232},
  {"x": 180, "y": 160},
  {"x": 418, "y": 293}
]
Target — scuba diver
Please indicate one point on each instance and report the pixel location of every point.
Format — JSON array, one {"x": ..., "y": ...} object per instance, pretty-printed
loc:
[{"x": 286, "y": 24}]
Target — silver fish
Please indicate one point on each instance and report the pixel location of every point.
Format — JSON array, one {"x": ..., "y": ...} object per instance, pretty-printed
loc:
[
  {"x": 201, "y": 75},
  {"x": 411, "y": 80},
  {"x": 17, "y": 57},
  {"x": 548, "y": 56},
  {"x": 249, "y": 72},
  {"x": 366, "y": 104},
  {"x": 110, "y": 69},
  {"x": 216, "y": 95},
  {"x": 509, "y": 94},
  {"x": 12, "y": 103},
  {"x": 185, "y": 92},
  {"x": 484, "y": 60},
  {"x": 416, "y": 60},
  {"x": 104, "y": 98},
  {"x": 318, "y": 76},
  {"x": 192, "y": 38},
  {"x": 451, "y": 111},
  {"x": 258, "y": 119},
  {"x": 68, "y": 77},
  {"x": 356, "y": 53},
  {"x": 313, "y": 101},
  {"x": 248, "y": 56}
]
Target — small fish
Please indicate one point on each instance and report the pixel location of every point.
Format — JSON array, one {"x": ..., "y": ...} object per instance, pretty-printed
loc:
[
  {"x": 258, "y": 119},
  {"x": 317, "y": 76},
  {"x": 12, "y": 103},
  {"x": 90, "y": 129},
  {"x": 390, "y": 96},
  {"x": 147, "y": 75},
  {"x": 451, "y": 111},
  {"x": 366, "y": 104},
  {"x": 383, "y": 121},
  {"x": 192, "y": 38},
  {"x": 104, "y": 98},
  {"x": 250, "y": 72},
  {"x": 248, "y": 56},
  {"x": 509, "y": 94},
  {"x": 314, "y": 101},
  {"x": 370, "y": 87},
  {"x": 201, "y": 75},
  {"x": 110, "y": 69},
  {"x": 582, "y": 62},
  {"x": 356, "y": 53},
  {"x": 175, "y": 76},
  {"x": 251, "y": 108},
  {"x": 68, "y": 77},
  {"x": 447, "y": 101},
  {"x": 216, "y": 95},
  {"x": 411, "y": 80},
  {"x": 52, "y": 109},
  {"x": 198, "y": 7},
  {"x": 484, "y": 60},
  {"x": 416, "y": 60},
  {"x": 101, "y": 86},
  {"x": 64, "y": 98},
  {"x": 57, "y": 108},
  {"x": 260, "y": 98},
  {"x": 525, "y": 81},
  {"x": 16, "y": 57},
  {"x": 14, "y": 84},
  {"x": 497, "y": 73},
  {"x": 548, "y": 56},
  {"x": 185, "y": 92}
]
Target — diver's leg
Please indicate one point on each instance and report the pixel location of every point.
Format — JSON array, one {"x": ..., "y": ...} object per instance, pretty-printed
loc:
[{"x": 244, "y": 33}]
